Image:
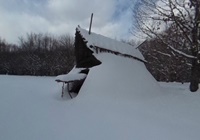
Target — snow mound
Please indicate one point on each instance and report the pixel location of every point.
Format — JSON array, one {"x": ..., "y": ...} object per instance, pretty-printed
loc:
[{"x": 119, "y": 77}]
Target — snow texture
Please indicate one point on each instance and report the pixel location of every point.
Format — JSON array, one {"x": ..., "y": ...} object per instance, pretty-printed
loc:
[
  {"x": 119, "y": 100},
  {"x": 73, "y": 75},
  {"x": 100, "y": 41}
]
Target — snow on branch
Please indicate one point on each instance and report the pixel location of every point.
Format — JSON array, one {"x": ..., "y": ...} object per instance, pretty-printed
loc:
[
  {"x": 163, "y": 53},
  {"x": 182, "y": 53}
]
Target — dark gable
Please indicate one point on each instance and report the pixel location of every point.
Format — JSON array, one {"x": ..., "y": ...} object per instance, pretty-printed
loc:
[{"x": 84, "y": 56}]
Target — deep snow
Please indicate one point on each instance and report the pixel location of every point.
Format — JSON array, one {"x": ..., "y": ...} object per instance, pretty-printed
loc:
[{"x": 119, "y": 100}]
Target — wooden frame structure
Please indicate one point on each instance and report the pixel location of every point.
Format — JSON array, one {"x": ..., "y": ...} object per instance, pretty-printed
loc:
[{"x": 63, "y": 87}]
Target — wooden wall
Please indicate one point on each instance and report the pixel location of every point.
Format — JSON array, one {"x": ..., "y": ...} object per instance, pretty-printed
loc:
[{"x": 84, "y": 56}]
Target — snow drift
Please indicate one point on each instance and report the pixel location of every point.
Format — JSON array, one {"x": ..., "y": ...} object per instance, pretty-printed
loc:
[
  {"x": 119, "y": 77},
  {"x": 119, "y": 100}
]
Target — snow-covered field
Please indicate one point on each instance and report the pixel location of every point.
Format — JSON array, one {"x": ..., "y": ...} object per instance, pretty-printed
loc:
[{"x": 119, "y": 101}]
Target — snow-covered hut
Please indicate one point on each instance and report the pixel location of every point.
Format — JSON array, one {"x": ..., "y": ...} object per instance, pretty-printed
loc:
[
  {"x": 88, "y": 44},
  {"x": 87, "y": 47}
]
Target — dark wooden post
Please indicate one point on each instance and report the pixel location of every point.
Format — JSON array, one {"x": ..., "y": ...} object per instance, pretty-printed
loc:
[
  {"x": 69, "y": 90},
  {"x": 63, "y": 88},
  {"x": 90, "y": 23}
]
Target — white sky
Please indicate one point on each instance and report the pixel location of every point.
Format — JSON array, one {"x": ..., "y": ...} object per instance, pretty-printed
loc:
[{"x": 112, "y": 18}]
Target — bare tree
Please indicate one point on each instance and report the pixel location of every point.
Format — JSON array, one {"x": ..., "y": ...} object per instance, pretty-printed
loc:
[{"x": 182, "y": 18}]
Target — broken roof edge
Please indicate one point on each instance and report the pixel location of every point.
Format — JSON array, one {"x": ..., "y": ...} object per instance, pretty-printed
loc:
[{"x": 103, "y": 42}]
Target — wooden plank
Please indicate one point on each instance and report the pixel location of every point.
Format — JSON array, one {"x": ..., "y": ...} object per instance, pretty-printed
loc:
[
  {"x": 63, "y": 88},
  {"x": 68, "y": 90}
]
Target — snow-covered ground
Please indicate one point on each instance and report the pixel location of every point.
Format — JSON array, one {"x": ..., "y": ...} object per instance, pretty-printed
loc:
[{"x": 119, "y": 100}]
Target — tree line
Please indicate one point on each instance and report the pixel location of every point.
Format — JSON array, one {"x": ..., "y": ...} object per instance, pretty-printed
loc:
[
  {"x": 173, "y": 26},
  {"x": 38, "y": 55},
  {"x": 164, "y": 64}
]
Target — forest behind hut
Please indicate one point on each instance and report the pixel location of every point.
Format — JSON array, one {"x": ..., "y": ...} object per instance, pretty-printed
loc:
[{"x": 38, "y": 55}]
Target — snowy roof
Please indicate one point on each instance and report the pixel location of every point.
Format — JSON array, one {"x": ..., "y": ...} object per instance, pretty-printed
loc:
[
  {"x": 73, "y": 75},
  {"x": 100, "y": 41}
]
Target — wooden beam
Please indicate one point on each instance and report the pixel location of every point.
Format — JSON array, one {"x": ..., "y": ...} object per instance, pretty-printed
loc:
[
  {"x": 90, "y": 23},
  {"x": 68, "y": 90},
  {"x": 63, "y": 87}
]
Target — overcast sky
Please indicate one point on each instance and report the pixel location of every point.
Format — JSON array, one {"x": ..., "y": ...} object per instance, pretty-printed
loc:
[{"x": 112, "y": 18}]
